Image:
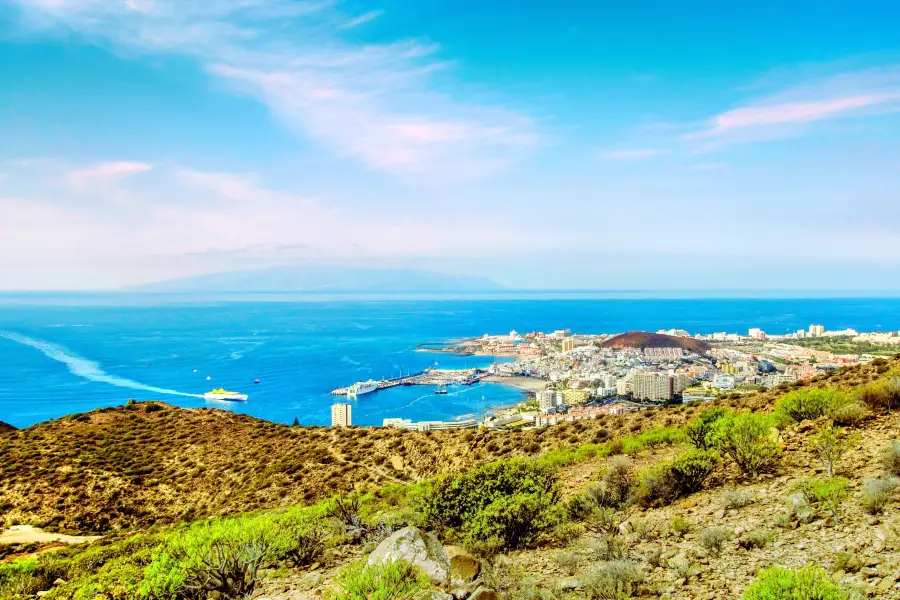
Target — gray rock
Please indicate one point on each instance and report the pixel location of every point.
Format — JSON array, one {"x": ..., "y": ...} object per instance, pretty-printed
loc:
[
  {"x": 438, "y": 595},
  {"x": 797, "y": 500},
  {"x": 805, "y": 514},
  {"x": 463, "y": 566},
  {"x": 309, "y": 581},
  {"x": 569, "y": 584},
  {"x": 484, "y": 593},
  {"x": 416, "y": 547}
]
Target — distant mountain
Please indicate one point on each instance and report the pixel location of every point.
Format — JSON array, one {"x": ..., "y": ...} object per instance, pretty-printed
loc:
[
  {"x": 323, "y": 279},
  {"x": 4, "y": 427},
  {"x": 643, "y": 339}
]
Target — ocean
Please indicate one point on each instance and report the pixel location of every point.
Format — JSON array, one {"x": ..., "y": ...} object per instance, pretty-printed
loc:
[{"x": 66, "y": 354}]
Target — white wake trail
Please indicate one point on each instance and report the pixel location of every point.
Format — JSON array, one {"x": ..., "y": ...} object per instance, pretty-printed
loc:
[{"x": 85, "y": 368}]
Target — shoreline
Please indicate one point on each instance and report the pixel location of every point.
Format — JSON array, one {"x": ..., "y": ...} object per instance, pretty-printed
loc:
[{"x": 526, "y": 384}]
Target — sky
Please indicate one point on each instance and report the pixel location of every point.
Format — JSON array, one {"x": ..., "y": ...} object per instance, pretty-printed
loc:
[{"x": 565, "y": 145}]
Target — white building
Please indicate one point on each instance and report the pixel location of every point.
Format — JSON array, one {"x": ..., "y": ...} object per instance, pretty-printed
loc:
[
  {"x": 652, "y": 386},
  {"x": 548, "y": 399},
  {"x": 724, "y": 382},
  {"x": 816, "y": 330},
  {"x": 341, "y": 415}
]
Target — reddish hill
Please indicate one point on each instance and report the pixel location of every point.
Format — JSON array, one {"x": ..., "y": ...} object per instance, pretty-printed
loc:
[
  {"x": 4, "y": 427},
  {"x": 643, "y": 339}
]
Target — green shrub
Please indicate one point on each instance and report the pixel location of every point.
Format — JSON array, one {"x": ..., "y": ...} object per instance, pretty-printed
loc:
[
  {"x": 877, "y": 493},
  {"x": 614, "y": 580},
  {"x": 713, "y": 539},
  {"x": 831, "y": 493},
  {"x": 303, "y": 540},
  {"x": 614, "y": 491},
  {"x": 808, "y": 583},
  {"x": 680, "y": 526},
  {"x": 698, "y": 431},
  {"x": 829, "y": 445},
  {"x": 756, "y": 538},
  {"x": 24, "y": 579},
  {"x": 849, "y": 414},
  {"x": 511, "y": 502},
  {"x": 607, "y": 547},
  {"x": 746, "y": 439},
  {"x": 890, "y": 458},
  {"x": 677, "y": 478},
  {"x": 880, "y": 395},
  {"x": 810, "y": 404},
  {"x": 737, "y": 499},
  {"x": 390, "y": 581},
  {"x": 225, "y": 555},
  {"x": 511, "y": 579}
]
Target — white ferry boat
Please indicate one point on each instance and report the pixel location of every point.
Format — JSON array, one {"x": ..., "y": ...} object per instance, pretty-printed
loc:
[
  {"x": 362, "y": 387},
  {"x": 224, "y": 395}
]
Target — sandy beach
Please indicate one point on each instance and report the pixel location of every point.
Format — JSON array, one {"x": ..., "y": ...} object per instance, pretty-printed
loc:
[
  {"x": 530, "y": 384},
  {"x": 26, "y": 534}
]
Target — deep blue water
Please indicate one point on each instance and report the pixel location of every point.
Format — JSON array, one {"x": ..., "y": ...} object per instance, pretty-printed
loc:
[{"x": 59, "y": 357}]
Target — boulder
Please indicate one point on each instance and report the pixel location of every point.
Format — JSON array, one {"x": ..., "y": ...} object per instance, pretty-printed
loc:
[
  {"x": 805, "y": 514},
  {"x": 416, "y": 547},
  {"x": 484, "y": 593},
  {"x": 463, "y": 566}
]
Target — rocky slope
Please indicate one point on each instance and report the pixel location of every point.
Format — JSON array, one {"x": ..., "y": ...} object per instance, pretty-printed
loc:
[{"x": 151, "y": 463}]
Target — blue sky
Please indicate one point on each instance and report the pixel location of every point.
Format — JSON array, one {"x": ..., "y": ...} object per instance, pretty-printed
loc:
[{"x": 578, "y": 145}]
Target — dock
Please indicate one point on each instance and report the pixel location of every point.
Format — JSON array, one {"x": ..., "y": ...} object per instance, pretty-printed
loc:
[{"x": 430, "y": 377}]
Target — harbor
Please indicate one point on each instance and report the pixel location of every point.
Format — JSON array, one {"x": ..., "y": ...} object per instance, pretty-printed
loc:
[{"x": 439, "y": 378}]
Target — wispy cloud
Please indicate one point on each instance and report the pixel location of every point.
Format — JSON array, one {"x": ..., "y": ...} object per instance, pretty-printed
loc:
[
  {"x": 374, "y": 102},
  {"x": 633, "y": 154},
  {"x": 794, "y": 110},
  {"x": 105, "y": 172},
  {"x": 362, "y": 19}
]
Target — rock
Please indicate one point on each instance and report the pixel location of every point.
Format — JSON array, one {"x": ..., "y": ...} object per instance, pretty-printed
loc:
[
  {"x": 416, "y": 547},
  {"x": 438, "y": 595},
  {"x": 483, "y": 593},
  {"x": 309, "y": 581},
  {"x": 720, "y": 514},
  {"x": 569, "y": 584},
  {"x": 463, "y": 566},
  {"x": 460, "y": 592},
  {"x": 797, "y": 500},
  {"x": 886, "y": 583},
  {"x": 59, "y": 581},
  {"x": 805, "y": 514}
]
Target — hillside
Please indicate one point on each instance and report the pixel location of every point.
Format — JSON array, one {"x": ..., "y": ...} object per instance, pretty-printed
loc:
[
  {"x": 643, "y": 339},
  {"x": 633, "y": 506},
  {"x": 150, "y": 463},
  {"x": 5, "y": 427}
]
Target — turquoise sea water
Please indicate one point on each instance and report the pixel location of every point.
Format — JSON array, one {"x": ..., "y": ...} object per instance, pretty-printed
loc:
[{"x": 60, "y": 355}]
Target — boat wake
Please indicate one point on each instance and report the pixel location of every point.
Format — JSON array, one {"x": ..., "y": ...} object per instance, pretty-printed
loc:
[{"x": 85, "y": 368}]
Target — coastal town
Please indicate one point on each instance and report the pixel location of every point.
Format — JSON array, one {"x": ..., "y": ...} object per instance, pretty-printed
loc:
[{"x": 567, "y": 376}]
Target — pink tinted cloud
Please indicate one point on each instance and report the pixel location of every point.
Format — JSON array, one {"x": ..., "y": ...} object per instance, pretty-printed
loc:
[
  {"x": 797, "y": 112},
  {"x": 105, "y": 172}
]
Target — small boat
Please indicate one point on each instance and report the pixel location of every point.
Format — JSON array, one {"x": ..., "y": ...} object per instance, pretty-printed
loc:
[
  {"x": 224, "y": 395},
  {"x": 441, "y": 390},
  {"x": 256, "y": 381}
]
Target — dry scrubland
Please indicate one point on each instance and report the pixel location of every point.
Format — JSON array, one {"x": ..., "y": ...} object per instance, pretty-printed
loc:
[{"x": 680, "y": 502}]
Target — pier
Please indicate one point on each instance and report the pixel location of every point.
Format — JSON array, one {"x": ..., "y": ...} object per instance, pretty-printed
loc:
[{"x": 431, "y": 377}]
